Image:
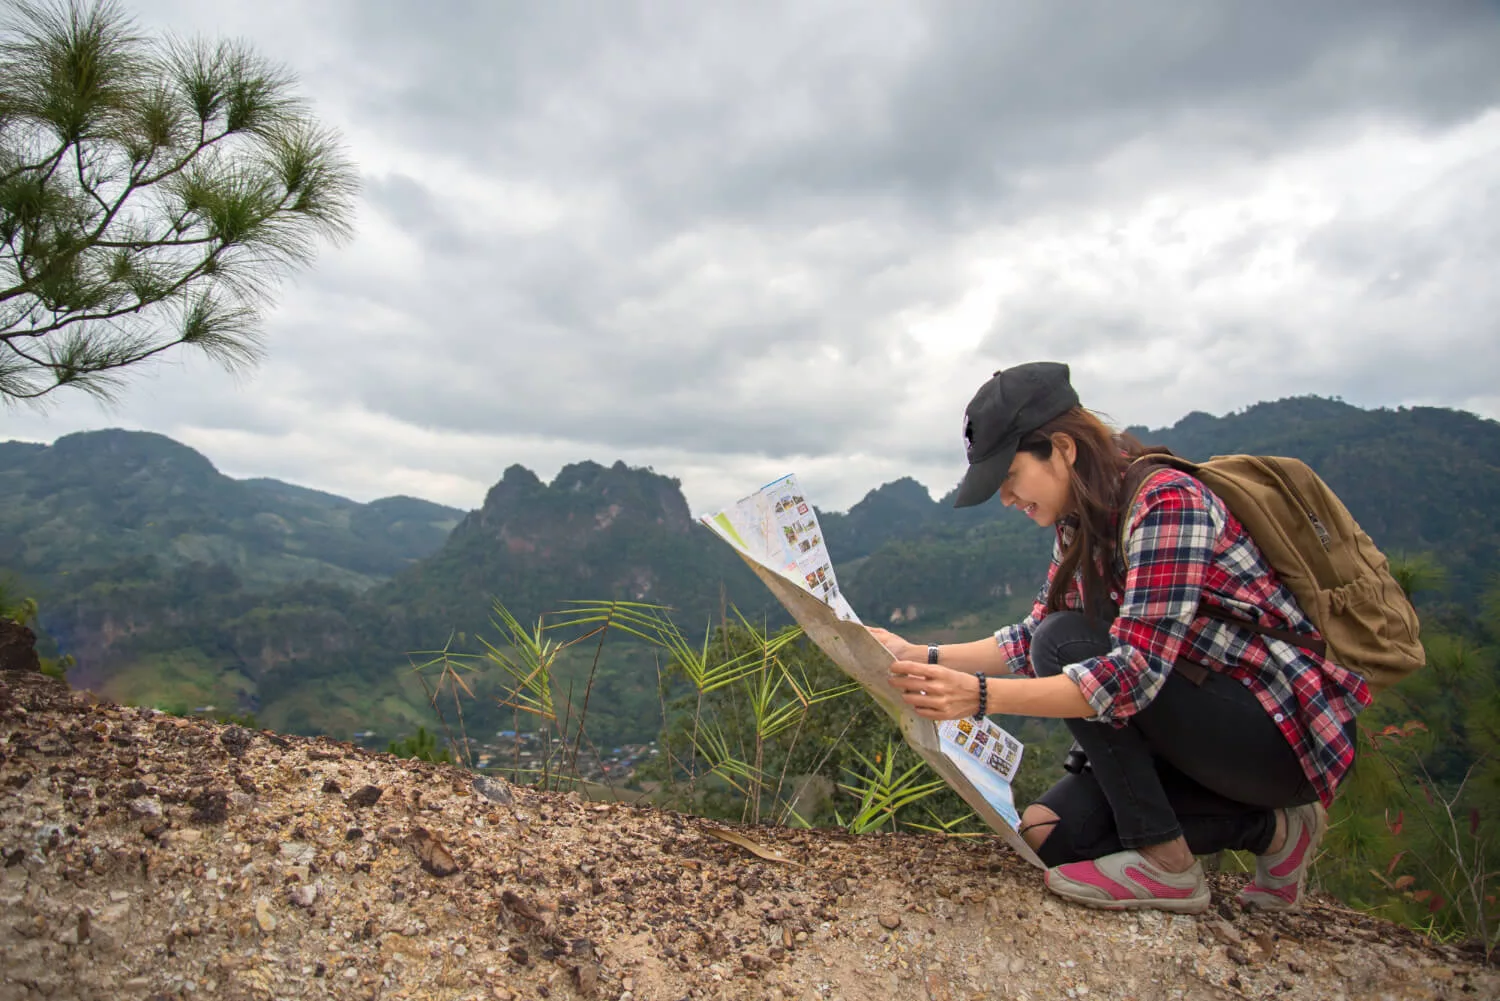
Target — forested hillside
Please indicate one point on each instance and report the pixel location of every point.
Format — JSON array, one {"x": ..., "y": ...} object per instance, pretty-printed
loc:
[{"x": 101, "y": 500}]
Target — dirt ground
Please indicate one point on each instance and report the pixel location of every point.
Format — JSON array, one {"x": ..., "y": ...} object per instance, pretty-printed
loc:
[{"x": 147, "y": 856}]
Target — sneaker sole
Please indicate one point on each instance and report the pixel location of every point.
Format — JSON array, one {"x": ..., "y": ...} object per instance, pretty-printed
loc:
[{"x": 1184, "y": 905}]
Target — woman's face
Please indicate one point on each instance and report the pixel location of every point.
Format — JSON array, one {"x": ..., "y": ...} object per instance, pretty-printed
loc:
[{"x": 1039, "y": 488}]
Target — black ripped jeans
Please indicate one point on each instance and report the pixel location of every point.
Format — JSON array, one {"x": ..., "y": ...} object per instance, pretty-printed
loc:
[{"x": 1202, "y": 761}]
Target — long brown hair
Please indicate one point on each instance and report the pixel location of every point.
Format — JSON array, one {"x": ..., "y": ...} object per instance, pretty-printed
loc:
[{"x": 1095, "y": 478}]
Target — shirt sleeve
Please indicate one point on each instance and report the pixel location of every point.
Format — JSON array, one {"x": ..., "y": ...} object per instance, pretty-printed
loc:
[
  {"x": 1015, "y": 641},
  {"x": 1169, "y": 548}
]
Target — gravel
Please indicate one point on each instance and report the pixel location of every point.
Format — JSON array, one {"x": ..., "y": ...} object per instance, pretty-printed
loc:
[{"x": 162, "y": 883}]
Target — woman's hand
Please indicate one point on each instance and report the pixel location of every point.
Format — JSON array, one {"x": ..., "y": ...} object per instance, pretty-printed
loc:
[
  {"x": 899, "y": 648},
  {"x": 936, "y": 692}
]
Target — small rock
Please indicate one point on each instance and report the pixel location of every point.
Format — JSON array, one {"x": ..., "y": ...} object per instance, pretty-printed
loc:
[
  {"x": 303, "y": 895},
  {"x": 210, "y": 807},
  {"x": 153, "y": 827},
  {"x": 890, "y": 920},
  {"x": 517, "y": 906},
  {"x": 263, "y": 915},
  {"x": 298, "y": 853},
  {"x": 365, "y": 796},
  {"x": 434, "y": 856},
  {"x": 236, "y": 740},
  {"x": 145, "y": 806},
  {"x": 1238, "y": 955},
  {"x": 332, "y": 786},
  {"x": 755, "y": 961},
  {"x": 1017, "y": 965},
  {"x": 493, "y": 789},
  {"x": 585, "y": 978},
  {"x": 518, "y": 955},
  {"x": 1225, "y": 932}
]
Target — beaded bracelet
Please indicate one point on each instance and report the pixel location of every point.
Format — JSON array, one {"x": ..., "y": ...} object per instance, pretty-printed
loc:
[{"x": 983, "y": 696}]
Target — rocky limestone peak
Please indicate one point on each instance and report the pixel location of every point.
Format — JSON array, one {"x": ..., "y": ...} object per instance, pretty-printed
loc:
[
  {"x": 583, "y": 494},
  {"x": 150, "y": 856},
  {"x": 517, "y": 485},
  {"x": 897, "y": 497}
]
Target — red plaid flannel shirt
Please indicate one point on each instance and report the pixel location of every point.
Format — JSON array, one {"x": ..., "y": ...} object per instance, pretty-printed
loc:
[{"x": 1183, "y": 545}]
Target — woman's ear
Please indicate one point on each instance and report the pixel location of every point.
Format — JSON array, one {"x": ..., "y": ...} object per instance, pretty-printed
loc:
[{"x": 1064, "y": 445}]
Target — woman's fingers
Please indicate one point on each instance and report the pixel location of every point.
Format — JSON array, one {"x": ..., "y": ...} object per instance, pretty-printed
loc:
[
  {"x": 934, "y": 692},
  {"x": 926, "y": 674},
  {"x": 895, "y": 644}
]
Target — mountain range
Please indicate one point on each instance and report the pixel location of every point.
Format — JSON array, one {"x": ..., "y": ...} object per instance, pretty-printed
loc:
[{"x": 173, "y": 584}]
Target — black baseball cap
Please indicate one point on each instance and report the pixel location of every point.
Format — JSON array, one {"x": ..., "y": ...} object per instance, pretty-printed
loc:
[{"x": 1015, "y": 402}]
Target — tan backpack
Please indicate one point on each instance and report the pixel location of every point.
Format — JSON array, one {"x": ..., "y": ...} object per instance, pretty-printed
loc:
[{"x": 1340, "y": 580}]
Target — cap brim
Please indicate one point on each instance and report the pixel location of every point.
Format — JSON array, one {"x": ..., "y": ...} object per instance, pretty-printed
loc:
[{"x": 985, "y": 476}]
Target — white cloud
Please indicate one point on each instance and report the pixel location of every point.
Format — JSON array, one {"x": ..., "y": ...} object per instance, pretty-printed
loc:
[{"x": 729, "y": 243}]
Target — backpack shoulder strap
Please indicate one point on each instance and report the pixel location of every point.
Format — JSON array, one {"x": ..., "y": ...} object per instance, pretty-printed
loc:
[{"x": 1136, "y": 476}]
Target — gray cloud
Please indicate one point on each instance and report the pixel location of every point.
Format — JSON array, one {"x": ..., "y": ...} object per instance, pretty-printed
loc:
[{"x": 729, "y": 242}]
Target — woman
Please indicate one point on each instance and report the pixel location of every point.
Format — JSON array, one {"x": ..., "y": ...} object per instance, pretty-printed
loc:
[{"x": 1199, "y": 734}]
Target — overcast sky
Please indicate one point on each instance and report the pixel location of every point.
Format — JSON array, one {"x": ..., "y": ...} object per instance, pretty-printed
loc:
[{"x": 731, "y": 241}]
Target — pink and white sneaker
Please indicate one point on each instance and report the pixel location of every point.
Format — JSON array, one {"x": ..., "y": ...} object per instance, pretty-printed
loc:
[
  {"x": 1128, "y": 880},
  {"x": 1280, "y": 878}
]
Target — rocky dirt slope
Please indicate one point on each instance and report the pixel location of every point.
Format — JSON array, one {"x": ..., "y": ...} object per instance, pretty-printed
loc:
[{"x": 146, "y": 856}]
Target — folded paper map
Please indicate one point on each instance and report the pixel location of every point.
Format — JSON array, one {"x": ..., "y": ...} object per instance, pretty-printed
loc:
[{"x": 775, "y": 530}]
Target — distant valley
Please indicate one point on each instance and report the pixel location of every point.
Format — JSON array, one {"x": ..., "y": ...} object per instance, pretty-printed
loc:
[{"x": 172, "y": 584}]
